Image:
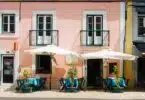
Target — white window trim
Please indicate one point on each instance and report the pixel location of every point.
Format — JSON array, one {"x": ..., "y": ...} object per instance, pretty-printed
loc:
[
  {"x": 122, "y": 33},
  {"x": 94, "y": 12},
  {"x": 104, "y": 13},
  {"x": 34, "y": 19},
  {"x": 16, "y": 34}
]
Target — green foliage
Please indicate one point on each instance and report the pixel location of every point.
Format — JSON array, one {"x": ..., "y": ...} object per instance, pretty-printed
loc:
[
  {"x": 116, "y": 70},
  {"x": 26, "y": 74},
  {"x": 72, "y": 72}
]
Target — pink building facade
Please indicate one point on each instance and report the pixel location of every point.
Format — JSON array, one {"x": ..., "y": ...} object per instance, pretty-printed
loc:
[{"x": 27, "y": 25}]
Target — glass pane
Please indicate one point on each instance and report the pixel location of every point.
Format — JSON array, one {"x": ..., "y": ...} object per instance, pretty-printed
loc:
[
  {"x": 90, "y": 27},
  {"x": 40, "y": 27},
  {"x": 90, "y": 19},
  {"x": 40, "y": 33},
  {"x": 5, "y": 27},
  {"x": 140, "y": 19},
  {"x": 48, "y": 33},
  {"x": 98, "y": 26},
  {"x": 12, "y": 28},
  {"x": 98, "y": 19},
  {"x": 98, "y": 33},
  {"x": 140, "y": 22},
  {"x": 48, "y": 26},
  {"x": 90, "y": 33},
  {"x": 40, "y": 19},
  {"x": 12, "y": 19},
  {"x": 98, "y": 29},
  {"x": 5, "y": 19},
  {"x": 141, "y": 30},
  {"x": 48, "y": 19}
]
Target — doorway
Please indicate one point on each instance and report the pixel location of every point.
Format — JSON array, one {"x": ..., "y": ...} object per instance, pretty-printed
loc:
[
  {"x": 94, "y": 73},
  {"x": 7, "y": 69},
  {"x": 141, "y": 72}
]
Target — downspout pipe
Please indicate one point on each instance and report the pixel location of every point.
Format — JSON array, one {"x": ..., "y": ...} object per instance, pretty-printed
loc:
[{"x": 122, "y": 31}]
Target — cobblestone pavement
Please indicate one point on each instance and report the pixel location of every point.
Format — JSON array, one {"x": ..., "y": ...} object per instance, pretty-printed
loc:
[{"x": 54, "y": 95}]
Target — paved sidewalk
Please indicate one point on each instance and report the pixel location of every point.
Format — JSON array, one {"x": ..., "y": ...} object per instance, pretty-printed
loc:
[{"x": 81, "y": 94}]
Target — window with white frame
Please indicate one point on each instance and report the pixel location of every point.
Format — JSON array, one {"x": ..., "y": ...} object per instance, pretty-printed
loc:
[
  {"x": 141, "y": 25},
  {"x": 94, "y": 22},
  {"x": 8, "y": 23},
  {"x": 94, "y": 29},
  {"x": 44, "y": 29},
  {"x": 44, "y": 23}
]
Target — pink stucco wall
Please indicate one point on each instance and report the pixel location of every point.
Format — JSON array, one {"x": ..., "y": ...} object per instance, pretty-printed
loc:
[{"x": 69, "y": 22}]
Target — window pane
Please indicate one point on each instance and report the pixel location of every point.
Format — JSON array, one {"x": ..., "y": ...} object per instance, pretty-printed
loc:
[
  {"x": 12, "y": 19},
  {"x": 48, "y": 19},
  {"x": 40, "y": 19},
  {"x": 141, "y": 31},
  {"x": 90, "y": 27},
  {"x": 98, "y": 26},
  {"x": 140, "y": 22},
  {"x": 90, "y": 19},
  {"x": 98, "y": 19},
  {"x": 48, "y": 33},
  {"x": 12, "y": 28},
  {"x": 5, "y": 19},
  {"x": 48, "y": 26},
  {"x": 98, "y": 33},
  {"x": 5, "y": 27},
  {"x": 40, "y": 33},
  {"x": 90, "y": 33},
  {"x": 140, "y": 19},
  {"x": 141, "y": 28},
  {"x": 40, "y": 27}
]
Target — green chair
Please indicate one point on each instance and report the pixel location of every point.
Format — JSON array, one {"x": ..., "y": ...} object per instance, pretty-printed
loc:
[
  {"x": 112, "y": 85},
  {"x": 20, "y": 83},
  {"x": 71, "y": 87},
  {"x": 22, "y": 86}
]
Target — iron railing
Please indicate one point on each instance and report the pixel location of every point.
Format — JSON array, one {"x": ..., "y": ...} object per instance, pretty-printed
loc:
[
  {"x": 43, "y": 37},
  {"x": 94, "y": 37}
]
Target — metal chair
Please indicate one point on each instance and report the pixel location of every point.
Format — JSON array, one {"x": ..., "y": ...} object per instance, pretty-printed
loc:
[{"x": 62, "y": 84}]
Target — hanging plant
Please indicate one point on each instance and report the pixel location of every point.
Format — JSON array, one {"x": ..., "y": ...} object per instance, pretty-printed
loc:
[{"x": 116, "y": 70}]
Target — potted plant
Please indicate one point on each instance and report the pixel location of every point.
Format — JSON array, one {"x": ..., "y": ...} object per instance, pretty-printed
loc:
[
  {"x": 72, "y": 72},
  {"x": 25, "y": 74}
]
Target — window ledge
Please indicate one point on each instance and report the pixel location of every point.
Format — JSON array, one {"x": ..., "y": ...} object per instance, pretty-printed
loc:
[{"x": 8, "y": 36}]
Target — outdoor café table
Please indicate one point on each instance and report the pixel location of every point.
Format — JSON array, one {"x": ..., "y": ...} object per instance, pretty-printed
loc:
[
  {"x": 33, "y": 81},
  {"x": 114, "y": 81}
]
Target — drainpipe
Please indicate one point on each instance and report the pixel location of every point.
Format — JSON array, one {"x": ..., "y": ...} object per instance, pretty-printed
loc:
[
  {"x": 122, "y": 31},
  {"x": 20, "y": 3}
]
